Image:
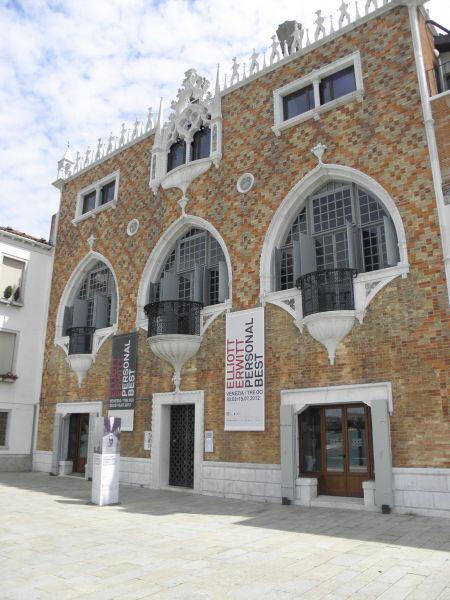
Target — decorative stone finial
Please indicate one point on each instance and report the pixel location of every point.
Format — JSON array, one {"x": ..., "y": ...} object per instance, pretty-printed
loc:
[
  {"x": 149, "y": 124},
  {"x": 320, "y": 29},
  {"x": 318, "y": 151},
  {"x": 91, "y": 241},
  {"x": 254, "y": 64},
  {"x": 234, "y": 72}
]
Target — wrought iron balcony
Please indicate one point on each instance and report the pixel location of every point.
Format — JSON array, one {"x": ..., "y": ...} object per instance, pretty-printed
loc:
[
  {"x": 173, "y": 317},
  {"x": 438, "y": 79},
  {"x": 80, "y": 340},
  {"x": 330, "y": 289}
]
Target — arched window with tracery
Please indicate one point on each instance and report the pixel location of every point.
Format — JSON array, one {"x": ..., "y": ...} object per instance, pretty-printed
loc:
[
  {"x": 195, "y": 269},
  {"x": 94, "y": 302},
  {"x": 341, "y": 225}
]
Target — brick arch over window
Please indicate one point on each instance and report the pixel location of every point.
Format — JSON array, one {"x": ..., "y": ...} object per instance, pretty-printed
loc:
[
  {"x": 296, "y": 199},
  {"x": 74, "y": 283},
  {"x": 158, "y": 257}
]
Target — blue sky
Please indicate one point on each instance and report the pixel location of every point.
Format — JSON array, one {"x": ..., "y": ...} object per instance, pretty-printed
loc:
[{"x": 75, "y": 70}]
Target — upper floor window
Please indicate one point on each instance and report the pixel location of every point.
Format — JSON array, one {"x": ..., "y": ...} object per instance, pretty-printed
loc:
[
  {"x": 201, "y": 144},
  {"x": 7, "y": 352},
  {"x": 199, "y": 148},
  {"x": 95, "y": 302},
  {"x": 195, "y": 269},
  {"x": 11, "y": 279},
  {"x": 337, "y": 85},
  {"x": 97, "y": 196},
  {"x": 177, "y": 155},
  {"x": 340, "y": 226},
  {"x": 318, "y": 91},
  {"x": 298, "y": 102}
]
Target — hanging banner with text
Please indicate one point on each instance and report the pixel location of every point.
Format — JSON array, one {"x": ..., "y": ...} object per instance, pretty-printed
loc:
[
  {"x": 244, "y": 371},
  {"x": 122, "y": 383}
]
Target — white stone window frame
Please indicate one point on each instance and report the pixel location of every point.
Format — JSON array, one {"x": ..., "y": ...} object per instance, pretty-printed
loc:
[
  {"x": 70, "y": 291},
  {"x": 9, "y": 413},
  {"x": 16, "y": 347},
  {"x": 97, "y": 187},
  {"x": 22, "y": 281},
  {"x": 156, "y": 261},
  {"x": 314, "y": 78}
]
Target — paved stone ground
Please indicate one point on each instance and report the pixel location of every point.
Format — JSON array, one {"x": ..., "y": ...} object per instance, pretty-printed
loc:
[{"x": 175, "y": 545}]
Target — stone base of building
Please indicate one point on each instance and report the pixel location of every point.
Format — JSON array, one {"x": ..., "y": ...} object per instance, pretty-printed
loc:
[
  {"x": 15, "y": 462},
  {"x": 421, "y": 491},
  {"x": 243, "y": 481}
]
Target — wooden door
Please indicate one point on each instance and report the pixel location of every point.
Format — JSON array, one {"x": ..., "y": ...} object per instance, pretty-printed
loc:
[
  {"x": 335, "y": 447},
  {"x": 78, "y": 441}
]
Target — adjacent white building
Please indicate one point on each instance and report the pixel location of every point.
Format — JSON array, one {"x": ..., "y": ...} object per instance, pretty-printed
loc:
[{"x": 25, "y": 277}]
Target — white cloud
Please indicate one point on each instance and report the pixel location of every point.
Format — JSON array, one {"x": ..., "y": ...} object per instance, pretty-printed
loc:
[{"x": 75, "y": 70}]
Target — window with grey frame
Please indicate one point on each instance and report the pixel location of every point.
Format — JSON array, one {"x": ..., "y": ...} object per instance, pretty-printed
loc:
[
  {"x": 341, "y": 225},
  {"x": 95, "y": 302},
  {"x": 195, "y": 270},
  {"x": 3, "y": 427}
]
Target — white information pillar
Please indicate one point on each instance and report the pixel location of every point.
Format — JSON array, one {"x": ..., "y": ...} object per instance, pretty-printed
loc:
[{"x": 106, "y": 461}]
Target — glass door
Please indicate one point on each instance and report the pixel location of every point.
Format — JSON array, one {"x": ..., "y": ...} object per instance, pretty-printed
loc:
[{"x": 334, "y": 443}]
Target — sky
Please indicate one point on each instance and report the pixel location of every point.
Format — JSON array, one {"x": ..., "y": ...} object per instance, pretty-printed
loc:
[{"x": 74, "y": 70}]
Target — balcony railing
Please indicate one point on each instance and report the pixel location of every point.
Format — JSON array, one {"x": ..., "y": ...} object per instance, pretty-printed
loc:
[
  {"x": 330, "y": 289},
  {"x": 80, "y": 340},
  {"x": 439, "y": 79},
  {"x": 173, "y": 317}
]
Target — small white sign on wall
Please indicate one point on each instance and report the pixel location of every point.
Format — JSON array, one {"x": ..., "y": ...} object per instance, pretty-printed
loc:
[
  {"x": 209, "y": 441},
  {"x": 147, "y": 440}
]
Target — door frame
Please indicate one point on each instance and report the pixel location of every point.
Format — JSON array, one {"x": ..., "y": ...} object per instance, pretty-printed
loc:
[
  {"x": 378, "y": 396},
  {"x": 161, "y": 437},
  {"x": 61, "y": 431},
  {"x": 77, "y": 458},
  {"x": 346, "y": 474}
]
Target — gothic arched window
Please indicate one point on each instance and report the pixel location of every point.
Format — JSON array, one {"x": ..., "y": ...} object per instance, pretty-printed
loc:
[
  {"x": 177, "y": 155},
  {"x": 195, "y": 269},
  {"x": 95, "y": 301},
  {"x": 340, "y": 225}
]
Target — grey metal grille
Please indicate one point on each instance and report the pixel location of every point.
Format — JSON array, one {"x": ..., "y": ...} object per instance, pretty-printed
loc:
[
  {"x": 3, "y": 427},
  {"x": 182, "y": 436}
]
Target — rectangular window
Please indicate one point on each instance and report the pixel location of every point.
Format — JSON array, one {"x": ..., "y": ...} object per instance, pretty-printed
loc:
[
  {"x": 3, "y": 427},
  {"x": 286, "y": 269},
  {"x": 337, "y": 85},
  {"x": 184, "y": 287},
  {"x": 89, "y": 202},
  {"x": 331, "y": 209},
  {"x": 7, "y": 347},
  {"x": 298, "y": 102},
  {"x": 107, "y": 193},
  {"x": 331, "y": 251},
  {"x": 11, "y": 275}
]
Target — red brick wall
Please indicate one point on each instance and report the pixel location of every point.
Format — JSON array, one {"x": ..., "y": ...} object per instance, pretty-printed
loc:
[{"x": 405, "y": 335}]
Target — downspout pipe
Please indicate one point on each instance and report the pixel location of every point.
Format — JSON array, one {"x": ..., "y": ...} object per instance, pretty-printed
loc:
[{"x": 431, "y": 136}]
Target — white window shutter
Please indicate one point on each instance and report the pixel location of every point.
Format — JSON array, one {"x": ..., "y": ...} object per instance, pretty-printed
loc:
[
  {"x": 199, "y": 282},
  {"x": 80, "y": 313},
  {"x": 113, "y": 313},
  {"x": 169, "y": 286},
  {"x": 101, "y": 311},
  {"x": 7, "y": 344},
  {"x": 67, "y": 319},
  {"x": 391, "y": 242},
  {"x": 308, "y": 254},
  {"x": 223, "y": 281},
  {"x": 351, "y": 245},
  {"x": 296, "y": 259}
]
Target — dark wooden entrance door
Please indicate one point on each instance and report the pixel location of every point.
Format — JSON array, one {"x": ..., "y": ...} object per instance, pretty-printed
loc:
[
  {"x": 181, "y": 464},
  {"x": 78, "y": 441},
  {"x": 335, "y": 447}
]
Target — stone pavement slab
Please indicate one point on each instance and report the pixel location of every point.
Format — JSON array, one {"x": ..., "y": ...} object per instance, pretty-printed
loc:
[{"x": 162, "y": 544}]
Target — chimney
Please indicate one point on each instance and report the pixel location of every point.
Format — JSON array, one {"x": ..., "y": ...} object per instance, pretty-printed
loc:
[{"x": 284, "y": 33}]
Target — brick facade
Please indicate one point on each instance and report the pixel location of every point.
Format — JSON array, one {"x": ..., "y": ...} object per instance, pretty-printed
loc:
[{"x": 404, "y": 337}]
